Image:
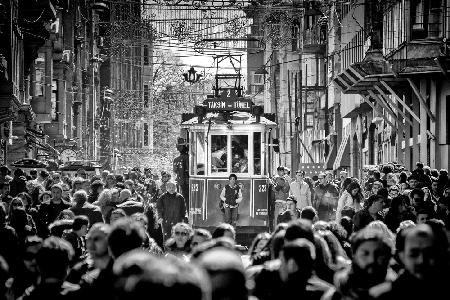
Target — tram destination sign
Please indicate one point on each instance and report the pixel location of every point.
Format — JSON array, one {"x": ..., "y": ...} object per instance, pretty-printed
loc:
[{"x": 219, "y": 104}]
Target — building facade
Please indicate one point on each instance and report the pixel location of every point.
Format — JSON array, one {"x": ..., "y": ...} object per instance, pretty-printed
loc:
[{"x": 394, "y": 82}]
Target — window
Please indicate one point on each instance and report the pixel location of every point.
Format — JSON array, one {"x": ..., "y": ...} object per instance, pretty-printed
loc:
[
  {"x": 146, "y": 96},
  {"x": 146, "y": 56},
  {"x": 39, "y": 75},
  {"x": 219, "y": 153},
  {"x": 239, "y": 153},
  {"x": 309, "y": 120},
  {"x": 258, "y": 79},
  {"x": 54, "y": 101},
  {"x": 257, "y": 153},
  {"x": 200, "y": 153},
  {"x": 426, "y": 19},
  {"x": 146, "y": 135}
]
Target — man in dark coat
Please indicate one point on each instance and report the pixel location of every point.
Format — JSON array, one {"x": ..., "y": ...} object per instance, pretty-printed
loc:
[
  {"x": 371, "y": 212},
  {"x": 83, "y": 207},
  {"x": 171, "y": 209},
  {"x": 49, "y": 211}
]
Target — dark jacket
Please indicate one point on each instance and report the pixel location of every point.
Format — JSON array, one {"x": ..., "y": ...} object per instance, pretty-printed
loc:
[
  {"x": 363, "y": 218},
  {"x": 48, "y": 211},
  {"x": 171, "y": 208},
  {"x": 89, "y": 210},
  {"x": 131, "y": 207},
  {"x": 76, "y": 242},
  {"x": 98, "y": 284}
]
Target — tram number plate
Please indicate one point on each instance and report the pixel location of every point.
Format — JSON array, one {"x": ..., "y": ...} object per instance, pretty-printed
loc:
[
  {"x": 261, "y": 212},
  {"x": 194, "y": 187},
  {"x": 262, "y": 188}
]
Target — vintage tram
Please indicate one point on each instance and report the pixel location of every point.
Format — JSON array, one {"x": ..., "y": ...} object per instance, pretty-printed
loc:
[{"x": 226, "y": 135}]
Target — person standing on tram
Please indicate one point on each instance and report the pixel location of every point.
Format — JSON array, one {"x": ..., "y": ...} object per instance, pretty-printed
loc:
[{"x": 231, "y": 196}]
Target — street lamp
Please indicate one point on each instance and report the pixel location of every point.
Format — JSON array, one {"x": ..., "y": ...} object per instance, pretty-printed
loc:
[{"x": 191, "y": 76}]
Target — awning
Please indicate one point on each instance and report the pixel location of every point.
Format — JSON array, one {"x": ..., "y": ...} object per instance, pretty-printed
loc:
[{"x": 343, "y": 154}]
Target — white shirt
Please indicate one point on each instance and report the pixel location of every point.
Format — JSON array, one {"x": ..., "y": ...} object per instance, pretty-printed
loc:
[{"x": 301, "y": 192}]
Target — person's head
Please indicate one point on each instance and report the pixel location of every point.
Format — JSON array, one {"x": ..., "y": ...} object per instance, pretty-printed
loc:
[
  {"x": 171, "y": 187},
  {"x": 258, "y": 243},
  {"x": 4, "y": 188},
  {"x": 391, "y": 179},
  {"x": 322, "y": 178},
  {"x": 372, "y": 252},
  {"x": 66, "y": 214},
  {"x": 232, "y": 179},
  {"x": 53, "y": 258},
  {"x": 376, "y": 186},
  {"x": 182, "y": 233},
  {"x": 422, "y": 255},
  {"x": 291, "y": 203},
  {"x": 97, "y": 186},
  {"x": 125, "y": 236},
  {"x": 297, "y": 261},
  {"x": 16, "y": 203},
  {"x": 299, "y": 229},
  {"x": 18, "y": 218},
  {"x": 125, "y": 194},
  {"x": 300, "y": 175},
  {"x": 347, "y": 223},
  {"x": 45, "y": 197},
  {"x": 110, "y": 180},
  {"x": 139, "y": 273},
  {"x": 394, "y": 191},
  {"x": 165, "y": 176},
  {"x": 374, "y": 203},
  {"x": 417, "y": 197},
  {"x": 80, "y": 225},
  {"x": 82, "y": 173},
  {"x": 376, "y": 175},
  {"x": 309, "y": 213},
  {"x": 224, "y": 230},
  {"x": 343, "y": 175},
  {"x": 97, "y": 240},
  {"x": 399, "y": 204},
  {"x": 353, "y": 189},
  {"x": 200, "y": 236},
  {"x": 280, "y": 171},
  {"x": 57, "y": 192},
  {"x": 413, "y": 181},
  {"x": 116, "y": 215},
  {"x": 129, "y": 184},
  {"x": 226, "y": 271},
  {"x": 33, "y": 173},
  {"x": 141, "y": 218},
  {"x": 80, "y": 198},
  {"x": 423, "y": 215},
  {"x": 31, "y": 247}
]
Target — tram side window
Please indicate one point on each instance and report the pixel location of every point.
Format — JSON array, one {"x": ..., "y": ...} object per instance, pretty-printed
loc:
[
  {"x": 257, "y": 152},
  {"x": 200, "y": 154},
  {"x": 239, "y": 153},
  {"x": 219, "y": 153}
]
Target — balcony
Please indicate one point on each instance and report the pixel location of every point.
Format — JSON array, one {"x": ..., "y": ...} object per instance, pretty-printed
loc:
[{"x": 313, "y": 40}]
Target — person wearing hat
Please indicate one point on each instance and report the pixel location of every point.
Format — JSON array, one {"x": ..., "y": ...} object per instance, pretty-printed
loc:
[{"x": 49, "y": 211}]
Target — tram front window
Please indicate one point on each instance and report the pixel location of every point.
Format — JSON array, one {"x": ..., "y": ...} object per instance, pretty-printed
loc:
[
  {"x": 219, "y": 153},
  {"x": 200, "y": 153},
  {"x": 239, "y": 153}
]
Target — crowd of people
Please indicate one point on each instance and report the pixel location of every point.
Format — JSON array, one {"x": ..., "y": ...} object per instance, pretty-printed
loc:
[{"x": 127, "y": 237}]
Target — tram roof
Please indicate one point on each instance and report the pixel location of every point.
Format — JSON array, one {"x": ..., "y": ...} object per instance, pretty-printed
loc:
[{"x": 236, "y": 118}]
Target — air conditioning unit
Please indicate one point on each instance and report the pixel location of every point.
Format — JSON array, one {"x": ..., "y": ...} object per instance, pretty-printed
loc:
[{"x": 66, "y": 56}]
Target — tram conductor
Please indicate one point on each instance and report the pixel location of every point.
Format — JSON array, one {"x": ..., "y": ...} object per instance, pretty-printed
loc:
[{"x": 231, "y": 196}]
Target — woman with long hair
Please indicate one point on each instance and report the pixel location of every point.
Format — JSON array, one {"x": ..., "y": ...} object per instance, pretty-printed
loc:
[
  {"x": 399, "y": 211},
  {"x": 19, "y": 221},
  {"x": 351, "y": 197}
]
